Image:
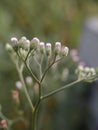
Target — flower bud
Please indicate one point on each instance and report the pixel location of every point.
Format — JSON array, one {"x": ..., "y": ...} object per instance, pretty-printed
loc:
[
  {"x": 86, "y": 69},
  {"x": 34, "y": 43},
  {"x": 3, "y": 124},
  {"x": 57, "y": 48},
  {"x": 14, "y": 42},
  {"x": 65, "y": 51},
  {"x": 48, "y": 49},
  {"x": 15, "y": 96},
  {"x": 9, "y": 48},
  {"x": 19, "y": 84},
  {"x": 23, "y": 43},
  {"x": 92, "y": 71},
  {"x": 23, "y": 53},
  {"x": 29, "y": 80},
  {"x": 42, "y": 47}
]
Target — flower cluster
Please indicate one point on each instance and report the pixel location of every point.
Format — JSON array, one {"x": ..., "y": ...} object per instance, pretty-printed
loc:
[
  {"x": 25, "y": 46},
  {"x": 88, "y": 74}
]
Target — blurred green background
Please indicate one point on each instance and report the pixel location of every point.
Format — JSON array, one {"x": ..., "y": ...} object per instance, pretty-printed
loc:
[{"x": 50, "y": 21}]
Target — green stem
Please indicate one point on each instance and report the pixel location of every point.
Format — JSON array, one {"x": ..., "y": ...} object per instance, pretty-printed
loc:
[
  {"x": 60, "y": 89},
  {"x": 30, "y": 71},
  {"x": 47, "y": 70},
  {"x": 24, "y": 87}
]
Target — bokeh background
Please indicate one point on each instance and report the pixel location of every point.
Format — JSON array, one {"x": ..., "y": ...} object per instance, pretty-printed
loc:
[{"x": 51, "y": 21}]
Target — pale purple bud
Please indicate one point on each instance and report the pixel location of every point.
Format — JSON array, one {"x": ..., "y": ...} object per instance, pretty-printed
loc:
[
  {"x": 14, "y": 40},
  {"x": 48, "y": 48},
  {"x": 57, "y": 48},
  {"x": 73, "y": 52},
  {"x": 34, "y": 43},
  {"x": 42, "y": 47},
  {"x": 75, "y": 58},
  {"x": 82, "y": 63},
  {"x": 65, "y": 51},
  {"x": 28, "y": 42}
]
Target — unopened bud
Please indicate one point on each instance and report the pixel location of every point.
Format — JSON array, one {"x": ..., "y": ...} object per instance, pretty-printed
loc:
[
  {"x": 9, "y": 48},
  {"x": 19, "y": 84},
  {"x": 92, "y": 71},
  {"x": 57, "y": 48},
  {"x": 29, "y": 80},
  {"x": 34, "y": 43},
  {"x": 65, "y": 51},
  {"x": 42, "y": 47},
  {"x": 23, "y": 53},
  {"x": 87, "y": 69},
  {"x": 15, "y": 96},
  {"x": 14, "y": 42},
  {"x": 48, "y": 49},
  {"x": 3, "y": 124}
]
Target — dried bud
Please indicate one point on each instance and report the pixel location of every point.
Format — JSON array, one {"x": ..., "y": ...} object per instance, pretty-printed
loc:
[
  {"x": 57, "y": 48},
  {"x": 15, "y": 96},
  {"x": 48, "y": 49},
  {"x": 34, "y": 43},
  {"x": 3, "y": 124},
  {"x": 65, "y": 51},
  {"x": 42, "y": 47}
]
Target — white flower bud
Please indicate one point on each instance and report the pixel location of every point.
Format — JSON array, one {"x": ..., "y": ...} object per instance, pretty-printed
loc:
[
  {"x": 80, "y": 68},
  {"x": 23, "y": 53},
  {"x": 57, "y": 48},
  {"x": 65, "y": 51},
  {"x": 18, "y": 84},
  {"x": 87, "y": 69},
  {"x": 29, "y": 80},
  {"x": 24, "y": 38},
  {"x": 42, "y": 47},
  {"x": 9, "y": 47},
  {"x": 34, "y": 43},
  {"x": 14, "y": 40},
  {"x": 92, "y": 71},
  {"x": 48, "y": 49}
]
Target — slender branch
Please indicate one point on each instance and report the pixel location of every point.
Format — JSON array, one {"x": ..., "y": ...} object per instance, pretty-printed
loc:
[
  {"x": 47, "y": 70},
  {"x": 27, "y": 55},
  {"x": 30, "y": 71},
  {"x": 28, "y": 68},
  {"x": 24, "y": 86},
  {"x": 60, "y": 89}
]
